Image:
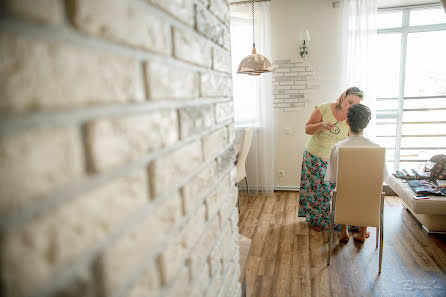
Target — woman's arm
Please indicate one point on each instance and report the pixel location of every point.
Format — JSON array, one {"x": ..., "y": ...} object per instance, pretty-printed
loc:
[{"x": 315, "y": 123}]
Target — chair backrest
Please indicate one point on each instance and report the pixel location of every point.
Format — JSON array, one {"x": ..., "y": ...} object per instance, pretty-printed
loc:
[
  {"x": 243, "y": 154},
  {"x": 359, "y": 185}
]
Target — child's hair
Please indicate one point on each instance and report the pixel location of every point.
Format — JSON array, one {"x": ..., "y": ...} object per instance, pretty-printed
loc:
[
  {"x": 350, "y": 91},
  {"x": 358, "y": 117}
]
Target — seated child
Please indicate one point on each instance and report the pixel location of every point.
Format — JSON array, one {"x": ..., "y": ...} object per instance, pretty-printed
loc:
[{"x": 358, "y": 117}]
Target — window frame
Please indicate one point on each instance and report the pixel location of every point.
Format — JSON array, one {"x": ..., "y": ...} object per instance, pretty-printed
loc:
[{"x": 404, "y": 30}]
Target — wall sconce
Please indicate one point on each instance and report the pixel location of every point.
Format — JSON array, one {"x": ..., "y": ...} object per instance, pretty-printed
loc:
[{"x": 303, "y": 49}]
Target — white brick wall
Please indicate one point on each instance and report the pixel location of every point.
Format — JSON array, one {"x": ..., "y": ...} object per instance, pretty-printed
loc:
[
  {"x": 116, "y": 149},
  {"x": 293, "y": 82}
]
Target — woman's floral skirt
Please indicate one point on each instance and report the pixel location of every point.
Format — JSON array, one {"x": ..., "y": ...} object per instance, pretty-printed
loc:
[{"x": 314, "y": 193}]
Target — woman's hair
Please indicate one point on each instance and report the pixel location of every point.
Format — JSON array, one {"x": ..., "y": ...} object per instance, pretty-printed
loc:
[
  {"x": 358, "y": 117},
  {"x": 350, "y": 91}
]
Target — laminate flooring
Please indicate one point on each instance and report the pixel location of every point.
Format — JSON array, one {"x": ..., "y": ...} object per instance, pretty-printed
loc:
[{"x": 287, "y": 258}]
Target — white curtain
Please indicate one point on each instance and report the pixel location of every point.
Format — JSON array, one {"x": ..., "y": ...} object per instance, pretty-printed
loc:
[
  {"x": 359, "y": 39},
  {"x": 253, "y": 100}
]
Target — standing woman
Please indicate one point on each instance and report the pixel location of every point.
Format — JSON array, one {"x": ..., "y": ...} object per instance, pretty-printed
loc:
[{"x": 326, "y": 126}]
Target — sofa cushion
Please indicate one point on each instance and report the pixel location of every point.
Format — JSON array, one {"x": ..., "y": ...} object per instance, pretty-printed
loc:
[{"x": 435, "y": 205}]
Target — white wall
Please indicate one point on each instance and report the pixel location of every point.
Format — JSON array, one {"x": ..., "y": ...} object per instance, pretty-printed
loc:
[{"x": 288, "y": 19}]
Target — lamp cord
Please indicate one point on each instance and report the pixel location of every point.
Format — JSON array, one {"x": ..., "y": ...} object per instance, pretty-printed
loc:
[{"x": 253, "y": 34}]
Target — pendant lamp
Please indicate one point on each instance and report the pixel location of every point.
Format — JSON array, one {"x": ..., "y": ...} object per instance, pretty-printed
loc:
[{"x": 254, "y": 64}]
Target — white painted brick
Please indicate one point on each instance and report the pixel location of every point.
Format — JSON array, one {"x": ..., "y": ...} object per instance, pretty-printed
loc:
[
  {"x": 307, "y": 73},
  {"x": 298, "y": 87},
  {"x": 81, "y": 283},
  {"x": 124, "y": 257},
  {"x": 215, "y": 142},
  {"x": 298, "y": 69},
  {"x": 214, "y": 285},
  {"x": 181, "y": 9},
  {"x": 43, "y": 11},
  {"x": 283, "y": 105},
  {"x": 231, "y": 132},
  {"x": 306, "y": 91},
  {"x": 283, "y": 70},
  {"x": 203, "y": 247},
  {"x": 234, "y": 221},
  {"x": 24, "y": 178},
  {"x": 216, "y": 258},
  {"x": 221, "y": 9},
  {"x": 282, "y": 96},
  {"x": 32, "y": 255},
  {"x": 211, "y": 205},
  {"x": 275, "y": 74},
  {"x": 204, "y": 2},
  {"x": 193, "y": 228},
  {"x": 226, "y": 38},
  {"x": 312, "y": 68},
  {"x": 172, "y": 259},
  {"x": 122, "y": 21},
  {"x": 196, "y": 119},
  {"x": 286, "y": 83},
  {"x": 216, "y": 85},
  {"x": 312, "y": 77},
  {"x": 294, "y": 109},
  {"x": 37, "y": 74},
  {"x": 191, "y": 48},
  {"x": 147, "y": 286},
  {"x": 314, "y": 82},
  {"x": 112, "y": 142},
  {"x": 168, "y": 170},
  {"x": 197, "y": 186},
  {"x": 275, "y": 83},
  {"x": 208, "y": 25},
  {"x": 224, "y": 111},
  {"x": 227, "y": 283},
  {"x": 287, "y": 65},
  {"x": 202, "y": 281},
  {"x": 170, "y": 82},
  {"x": 221, "y": 60},
  {"x": 283, "y": 88},
  {"x": 292, "y": 91},
  {"x": 291, "y": 74},
  {"x": 180, "y": 285},
  {"x": 302, "y": 64}
]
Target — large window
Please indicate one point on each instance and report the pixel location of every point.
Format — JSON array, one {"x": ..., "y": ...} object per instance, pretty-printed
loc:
[{"x": 411, "y": 103}]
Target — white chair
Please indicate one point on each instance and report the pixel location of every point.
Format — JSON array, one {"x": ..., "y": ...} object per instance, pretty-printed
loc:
[
  {"x": 358, "y": 199},
  {"x": 241, "y": 159}
]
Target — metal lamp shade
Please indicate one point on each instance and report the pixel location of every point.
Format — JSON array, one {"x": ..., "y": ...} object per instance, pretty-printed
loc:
[{"x": 254, "y": 64}]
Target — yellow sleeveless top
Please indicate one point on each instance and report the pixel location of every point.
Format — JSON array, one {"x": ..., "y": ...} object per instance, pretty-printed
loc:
[{"x": 321, "y": 143}]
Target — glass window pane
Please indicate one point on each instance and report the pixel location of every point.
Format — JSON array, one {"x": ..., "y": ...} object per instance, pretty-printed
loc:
[
  {"x": 389, "y": 19},
  {"x": 387, "y": 142},
  {"x": 386, "y": 104},
  {"x": 389, "y": 52},
  {"x": 385, "y": 130},
  {"x": 424, "y": 116},
  {"x": 416, "y": 142},
  {"x": 427, "y": 16},
  {"x": 426, "y": 65},
  {"x": 425, "y": 103},
  {"x": 425, "y": 154},
  {"x": 412, "y": 165},
  {"x": 424, "y": 129}
]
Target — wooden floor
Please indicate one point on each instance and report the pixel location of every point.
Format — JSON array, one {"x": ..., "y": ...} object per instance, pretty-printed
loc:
[{"x": 287, "y": 258}]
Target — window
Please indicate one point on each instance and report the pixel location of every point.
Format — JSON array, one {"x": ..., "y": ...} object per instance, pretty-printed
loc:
[{"x": 411, "y": 103}]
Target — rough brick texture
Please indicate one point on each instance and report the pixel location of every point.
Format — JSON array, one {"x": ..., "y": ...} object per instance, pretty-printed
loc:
[
  {"x": 122, "y": 22},
  {"x": 116, "y": 149},
  {"x": 293, "y": 82},
  {"x": 112, "y": 142},
  {"x": 43, "y": 11}
]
